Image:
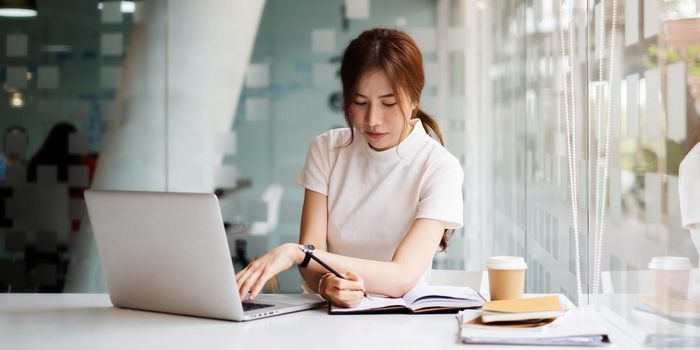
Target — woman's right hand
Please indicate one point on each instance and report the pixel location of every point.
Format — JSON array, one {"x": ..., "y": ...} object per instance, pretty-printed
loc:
[{"x": 342, "y": 292}]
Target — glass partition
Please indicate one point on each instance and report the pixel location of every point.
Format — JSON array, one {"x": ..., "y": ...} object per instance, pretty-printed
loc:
[
  {"x": 62, "y": 74},
  {"x": 589, "y": 109}
]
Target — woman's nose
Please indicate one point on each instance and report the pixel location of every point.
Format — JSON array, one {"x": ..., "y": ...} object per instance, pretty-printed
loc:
[{"x": 373, "y": 117}]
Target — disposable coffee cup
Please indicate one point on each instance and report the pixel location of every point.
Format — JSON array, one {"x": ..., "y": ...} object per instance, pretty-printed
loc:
[
  {"x": 506, "y": 277},
  {"x": 671, "y": 275}
]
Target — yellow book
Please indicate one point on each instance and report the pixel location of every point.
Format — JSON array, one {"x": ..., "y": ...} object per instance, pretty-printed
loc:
[
  {"x": 537, "y": 304},
  {"x": 522, "y": 310}
]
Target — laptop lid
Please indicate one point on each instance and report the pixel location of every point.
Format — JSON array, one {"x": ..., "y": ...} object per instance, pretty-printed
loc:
[{"x": 165, "y": 252}]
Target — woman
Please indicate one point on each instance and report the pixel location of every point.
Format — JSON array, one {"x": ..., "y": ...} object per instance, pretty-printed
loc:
[{"x": 380, "y": 195}]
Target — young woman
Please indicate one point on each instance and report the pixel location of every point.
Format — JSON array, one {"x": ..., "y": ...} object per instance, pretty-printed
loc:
[{"x": 380, "y": 195}]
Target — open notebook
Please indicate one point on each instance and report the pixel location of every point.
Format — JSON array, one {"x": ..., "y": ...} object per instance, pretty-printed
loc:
[{"x": 421, "y": 299}]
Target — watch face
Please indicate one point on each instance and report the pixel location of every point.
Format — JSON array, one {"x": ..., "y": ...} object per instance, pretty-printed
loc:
[{"x": 310, "y": 247}]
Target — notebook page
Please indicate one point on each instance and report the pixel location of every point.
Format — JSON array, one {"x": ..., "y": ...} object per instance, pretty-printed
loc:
[
  {"x": 432, "y": 293},
  {"x": 368, "y": 304}
]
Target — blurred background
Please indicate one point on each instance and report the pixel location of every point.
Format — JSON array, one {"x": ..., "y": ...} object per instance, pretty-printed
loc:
[{"x": 535, "y": 97}]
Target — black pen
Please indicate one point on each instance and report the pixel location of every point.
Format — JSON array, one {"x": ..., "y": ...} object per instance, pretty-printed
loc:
[{"x": 333, "y": 271}]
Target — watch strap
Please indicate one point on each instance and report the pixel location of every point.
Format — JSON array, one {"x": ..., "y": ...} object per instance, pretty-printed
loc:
[{"x": 307, "y": 256}]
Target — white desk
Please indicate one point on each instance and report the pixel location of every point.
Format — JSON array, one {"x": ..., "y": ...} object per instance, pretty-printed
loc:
[{"x": 88, "y": 321}]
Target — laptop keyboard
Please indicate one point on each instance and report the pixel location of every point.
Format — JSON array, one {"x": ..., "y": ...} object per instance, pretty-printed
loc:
[{"x": 247, "y": 306}]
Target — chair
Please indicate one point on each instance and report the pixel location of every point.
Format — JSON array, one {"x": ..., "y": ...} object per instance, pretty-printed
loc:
[{"x": 273, "y": 198}]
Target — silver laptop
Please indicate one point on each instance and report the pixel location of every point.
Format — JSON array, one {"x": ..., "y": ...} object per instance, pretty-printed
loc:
[{"x": 168, "y": 252}]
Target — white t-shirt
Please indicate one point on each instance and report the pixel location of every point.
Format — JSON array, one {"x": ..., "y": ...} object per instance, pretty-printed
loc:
[
  {"x": 375, "y": 196},
  {"x": 689, "y": 192}
]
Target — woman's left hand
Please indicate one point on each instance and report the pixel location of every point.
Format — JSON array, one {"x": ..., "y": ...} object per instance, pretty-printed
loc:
[{"x": 253, "y": 277}]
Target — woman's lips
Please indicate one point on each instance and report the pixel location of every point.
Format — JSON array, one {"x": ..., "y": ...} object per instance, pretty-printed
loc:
[{"x": 375, "y": 136}]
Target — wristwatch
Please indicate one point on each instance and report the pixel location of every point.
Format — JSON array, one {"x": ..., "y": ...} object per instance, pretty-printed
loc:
[{"x": 308, "y": 251}]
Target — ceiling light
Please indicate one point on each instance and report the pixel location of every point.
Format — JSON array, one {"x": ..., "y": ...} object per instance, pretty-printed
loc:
[
  {"x": 124, "y": 6},
  {"x": 128, "y": 7},
  {"x": 16, "y": 100},
  {"x": 18, "y": 8}
]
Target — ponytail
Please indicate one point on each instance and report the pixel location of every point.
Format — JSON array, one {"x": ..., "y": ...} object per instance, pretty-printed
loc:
[
  {"x": 433, "y": 127},
  {"x": 428, "y": 121}
]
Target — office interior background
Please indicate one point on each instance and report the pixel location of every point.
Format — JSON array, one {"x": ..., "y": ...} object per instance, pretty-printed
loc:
[{"x": 570, "y": 119}]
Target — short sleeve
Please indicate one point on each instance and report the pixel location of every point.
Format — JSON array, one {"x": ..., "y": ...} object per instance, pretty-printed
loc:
[
  {"x": 689, "y": 189},
  {"x": 441, "y": 194},
  {"x": 317, "y": 167}
]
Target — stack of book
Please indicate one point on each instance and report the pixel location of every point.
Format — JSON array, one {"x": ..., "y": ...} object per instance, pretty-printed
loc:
[
  {"x": 530, "y": 321},
  {"x": 522, "y": 311}
]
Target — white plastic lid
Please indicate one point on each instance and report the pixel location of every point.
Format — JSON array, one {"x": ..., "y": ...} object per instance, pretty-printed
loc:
[
  {"x": 506, "y": 263},
  {"x": 669, "y": 263}
]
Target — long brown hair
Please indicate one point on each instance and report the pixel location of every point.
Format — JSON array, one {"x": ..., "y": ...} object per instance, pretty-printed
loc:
[{"x": 397, "y": 55}]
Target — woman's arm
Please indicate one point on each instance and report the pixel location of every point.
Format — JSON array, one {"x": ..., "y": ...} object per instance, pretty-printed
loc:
[{"x": 393, "y": 278}]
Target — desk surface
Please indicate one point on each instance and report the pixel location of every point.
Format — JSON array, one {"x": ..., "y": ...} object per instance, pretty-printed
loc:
[{"x": 89, "y": 321}]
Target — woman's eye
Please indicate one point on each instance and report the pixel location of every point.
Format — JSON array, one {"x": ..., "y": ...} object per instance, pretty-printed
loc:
[
  {"x": 361, "y": 103},
  {"x": 390, "y": 104}
]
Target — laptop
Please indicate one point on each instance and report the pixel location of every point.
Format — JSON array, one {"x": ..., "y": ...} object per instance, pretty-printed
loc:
[{"x": 168, "y": 252}]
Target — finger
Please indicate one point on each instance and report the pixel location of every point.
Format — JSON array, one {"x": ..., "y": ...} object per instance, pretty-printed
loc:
[
  {"x": 248, "y": 283},
  {"x": 354, "y": 303},
  {"x": 346, "y": 294},
  {"x": 258, "y": 286},
  {"x": 326, "y": 286},
  {"x": 243, "y": 275},
  {"x": 240, "y": 273},
  {"x": 350, "y": 297},
  {"x": 354, "y": 277},
  {"x": 347, "y": 284}
]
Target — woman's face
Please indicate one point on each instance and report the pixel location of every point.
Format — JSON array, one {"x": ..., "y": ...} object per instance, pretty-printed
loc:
[{"x": 375, "y": 113}]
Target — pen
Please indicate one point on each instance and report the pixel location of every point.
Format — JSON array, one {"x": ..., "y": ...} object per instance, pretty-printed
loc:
[{"x": 333, "y": 271}]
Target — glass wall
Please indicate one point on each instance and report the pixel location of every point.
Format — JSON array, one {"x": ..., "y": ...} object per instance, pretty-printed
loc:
[
  {"x": 109, "y": 95},
  {"x": 588, "y": 108},
  {"x": 61, "y": 72}
]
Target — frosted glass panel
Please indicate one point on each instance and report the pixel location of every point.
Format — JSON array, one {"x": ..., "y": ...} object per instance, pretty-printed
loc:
[
  {"x": 632, "y": 21},
  {"x": 676, "y": 102},
  {"x": 17, "y": 77},
  {"x": 48, "y": 77},
  {"x": 632, "y": 115},
  {"x": 258, "y": 75},
  {"x": 651, "y": 114},
  {"x": 111, "y": 44},
  {"x": 16, "y": 45},
  {"x": 67, "y": 88},
  {"x": 357, "y": 9},
  {"x": 323, "y": 40},
  {"x": 651, "y": 18}
]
